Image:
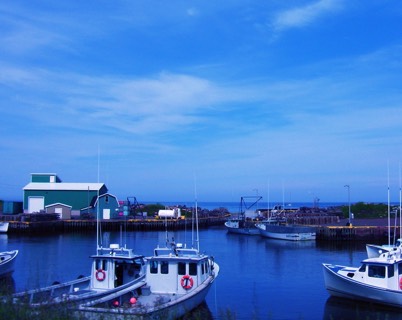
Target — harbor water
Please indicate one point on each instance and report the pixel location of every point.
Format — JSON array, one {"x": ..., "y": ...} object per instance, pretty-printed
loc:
[{"x": 259, "y": 278}]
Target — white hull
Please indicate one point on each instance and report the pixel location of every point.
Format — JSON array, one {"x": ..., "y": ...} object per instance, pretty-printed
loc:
[
  {"x": 233, "y": 227},
  {"x": 345, "y": 287},
  {"x": 286, "y": 232},
  {"x": 7, "y": 260},
  {"x": 4, "y": 227},
  {"x": 170, "y": 306}
]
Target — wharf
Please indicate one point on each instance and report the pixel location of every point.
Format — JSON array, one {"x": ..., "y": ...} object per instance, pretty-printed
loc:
[
  {"x": 328, "y": 229},
  {"x": 76, "y": 225}
]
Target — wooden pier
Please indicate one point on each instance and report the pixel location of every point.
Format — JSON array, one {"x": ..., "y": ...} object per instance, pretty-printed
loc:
[{"x": 76, "y": 225}]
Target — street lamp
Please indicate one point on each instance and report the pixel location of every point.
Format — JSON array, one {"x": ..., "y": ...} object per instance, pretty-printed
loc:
[{"x": 348, "y": 186}]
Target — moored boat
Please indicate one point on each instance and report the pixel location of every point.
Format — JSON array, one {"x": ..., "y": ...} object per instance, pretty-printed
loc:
[
  {"x": 246, "y": 219},
  {"x": 4, "y": 226},
  {"x": 377, "y": 280},
  {"x": 7, "y": 261},
  {"x": 113, "y": 269},
  {"x": 177, "y": 280},
  {"x": 276, "y": 227}
]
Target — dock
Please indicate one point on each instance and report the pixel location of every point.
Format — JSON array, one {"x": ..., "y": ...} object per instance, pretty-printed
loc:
[{"x": 76, "y": 225}]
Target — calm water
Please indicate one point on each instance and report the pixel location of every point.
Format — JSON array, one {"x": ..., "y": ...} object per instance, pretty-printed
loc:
[{"x": 259, "y": 278}]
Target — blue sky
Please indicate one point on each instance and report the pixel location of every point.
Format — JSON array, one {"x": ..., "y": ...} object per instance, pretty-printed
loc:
[{"x": 294, "y": 99}]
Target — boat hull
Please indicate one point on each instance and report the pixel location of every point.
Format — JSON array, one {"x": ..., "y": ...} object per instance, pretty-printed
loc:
[
  {"x": 175, "y": 307},
  {"x": 234, "y": 228},
  {"x": 7, "y": 261},
  {"x": 344, "y": 287},
  {"x": 290, "y": 233},
  {"x": 4, "y": 227}
]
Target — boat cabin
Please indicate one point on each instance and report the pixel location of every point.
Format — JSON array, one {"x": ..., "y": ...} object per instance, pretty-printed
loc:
[
  {"x": 114, "y": 266},
  {"x": 177, "y": 270}
]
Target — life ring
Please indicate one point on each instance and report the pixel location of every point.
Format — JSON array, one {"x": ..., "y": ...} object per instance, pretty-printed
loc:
[
  {"x": 400, "y": 283},
  {"x": 100, "y": 275},
  {"x": 187, "y": 282}
]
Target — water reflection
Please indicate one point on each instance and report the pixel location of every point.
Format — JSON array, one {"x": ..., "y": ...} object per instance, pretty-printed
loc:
[
  {"x": 344, "y": 309},
  {"x": 7, "y": 285}
]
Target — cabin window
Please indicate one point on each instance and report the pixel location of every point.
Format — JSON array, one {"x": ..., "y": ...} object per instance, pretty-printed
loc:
[
  {"x": 390, "y": 271},
  {"x": 363, "y": 268},
  {"x": 376, "y": 271},
  {"x": 400, "y": 268},
  {"x": 164, "y": 267},
  {"x": 101, "y": 264},
  {"x": 192, "y": 269},
  {"x": 202, "y": 268},
  {"x": 153, "y": 267},
  {"x": 181, "y": 268}
]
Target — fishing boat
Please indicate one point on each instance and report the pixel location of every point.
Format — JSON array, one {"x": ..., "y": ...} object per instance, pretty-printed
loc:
[
  {"x": 7, "y": 261},
  {"x": 376, "y": 280},
  {"x": 245, "y": 222},
  {"x": 276, "y": 227},
  {"x": 4, "y": 226},
  {"x": 177, "y": 281},
  {"x": 113, "y": 269}
]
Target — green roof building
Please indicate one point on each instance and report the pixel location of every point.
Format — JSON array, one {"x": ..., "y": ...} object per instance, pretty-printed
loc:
[{"x": 47, "y": 189}]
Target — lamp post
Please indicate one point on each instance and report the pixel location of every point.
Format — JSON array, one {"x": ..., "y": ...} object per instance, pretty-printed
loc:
[{"x": 348, "y": 186}]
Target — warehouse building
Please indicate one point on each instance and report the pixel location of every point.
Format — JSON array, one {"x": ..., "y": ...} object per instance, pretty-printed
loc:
[{"x": 46, "y": 193}]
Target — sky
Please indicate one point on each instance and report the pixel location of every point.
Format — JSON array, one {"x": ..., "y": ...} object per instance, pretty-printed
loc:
[{"x": 206, "y": 100}]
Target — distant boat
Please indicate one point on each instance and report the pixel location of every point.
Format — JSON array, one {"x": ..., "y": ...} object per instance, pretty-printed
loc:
[
  {"x": 275, "y": 227},
  {"x": 4, "y": 226},
  {"x": 7, "y": 260},
  {"x": 245, "y": 222},
  {"x": 376, "y": 280}
]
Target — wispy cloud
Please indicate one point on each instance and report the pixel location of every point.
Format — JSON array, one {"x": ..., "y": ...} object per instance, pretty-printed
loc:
[{"x": 304, "y": 15}]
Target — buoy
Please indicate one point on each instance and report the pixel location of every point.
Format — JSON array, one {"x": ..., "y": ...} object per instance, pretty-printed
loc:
[
  {"x": 115, "y": 303},
  {"x": 133, "y": 300}
]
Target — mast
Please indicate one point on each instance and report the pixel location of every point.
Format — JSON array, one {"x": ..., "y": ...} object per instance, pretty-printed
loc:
[
  {"x": 389, "y": 212},
  {"x": 196, "y": 213},
  {"x": 400, "y": 203}
]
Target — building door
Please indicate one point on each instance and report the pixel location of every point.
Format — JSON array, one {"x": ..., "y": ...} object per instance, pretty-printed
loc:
[
  {"x": 106, "y": 214},
  {"x": 36, "y": 204}
]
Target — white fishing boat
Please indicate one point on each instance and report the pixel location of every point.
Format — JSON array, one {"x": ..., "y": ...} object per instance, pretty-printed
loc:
[
  {"x": 7, "y": 261},
  {"x": 245, "y": 221},
  {"x": 113, "y": 269},
  {"x": 275, "y": 227},
  {"x": 4, "y": 226},
  {"x": 177, "y": 281},
  {"x": 377, "y": 280}
]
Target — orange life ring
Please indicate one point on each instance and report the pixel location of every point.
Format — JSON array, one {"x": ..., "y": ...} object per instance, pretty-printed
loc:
[
  {"x": 187, "y": 282},
  {"x": 400, "y": 283},
  {"x": 100, "y": 275}
]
